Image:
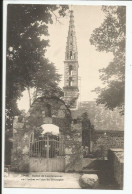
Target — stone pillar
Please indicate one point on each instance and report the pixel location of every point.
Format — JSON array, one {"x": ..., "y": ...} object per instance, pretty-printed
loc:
[
  {"x": 20, "y": 151},
  {"x": 73, "y": 149}
]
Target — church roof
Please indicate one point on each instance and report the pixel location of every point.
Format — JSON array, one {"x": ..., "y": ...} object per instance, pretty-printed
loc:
[{"x": 101, "y": 117}]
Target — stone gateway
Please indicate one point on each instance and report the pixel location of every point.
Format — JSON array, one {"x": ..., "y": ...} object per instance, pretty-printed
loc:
[{"x": 46, "y": 139}]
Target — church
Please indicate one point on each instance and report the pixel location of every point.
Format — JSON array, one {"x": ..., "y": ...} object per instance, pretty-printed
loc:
[{"x": 65, "y": 135}]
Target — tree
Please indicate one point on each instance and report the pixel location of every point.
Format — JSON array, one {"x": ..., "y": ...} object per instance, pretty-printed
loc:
[
  {"x": 26, "y": 24},
  {"x": 46, "y": 80},
  {"x": 110, "y": 37},
  {"x": 26, "y": 65},
  {"x": 25, "y": 48}
]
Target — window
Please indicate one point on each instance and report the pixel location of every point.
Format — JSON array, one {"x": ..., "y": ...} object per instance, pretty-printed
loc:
[
  {"x": 71, "y": 57},
  {"x": 67, "y": 55},
  {"x": 70, "y": 70},
  {"x": 70, "y": 81}
]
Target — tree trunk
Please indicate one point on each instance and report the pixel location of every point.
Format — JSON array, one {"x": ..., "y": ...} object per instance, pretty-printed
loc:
[{"x": 28, "y": 88}]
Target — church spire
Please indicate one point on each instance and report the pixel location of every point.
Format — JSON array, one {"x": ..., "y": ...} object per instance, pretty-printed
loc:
[
  {"x": 71, "y": 91},
  {"x": 71, "y": 47}
]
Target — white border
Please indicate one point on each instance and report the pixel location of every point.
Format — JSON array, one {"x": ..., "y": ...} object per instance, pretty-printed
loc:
[{"x": 128, "y": 99}]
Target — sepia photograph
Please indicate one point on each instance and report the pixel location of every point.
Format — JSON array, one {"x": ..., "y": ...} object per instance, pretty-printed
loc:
[{"x": 64, "y": 96}]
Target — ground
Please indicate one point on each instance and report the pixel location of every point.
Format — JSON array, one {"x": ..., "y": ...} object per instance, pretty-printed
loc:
[
  {"x": 43, "y": 180},
  {"x": 51, "y": 180}
]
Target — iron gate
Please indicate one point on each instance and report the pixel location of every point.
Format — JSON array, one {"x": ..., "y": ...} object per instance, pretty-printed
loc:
[{"x": 47, "y": 154}]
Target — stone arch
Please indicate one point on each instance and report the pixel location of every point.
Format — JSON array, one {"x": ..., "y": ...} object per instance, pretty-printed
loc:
[
  {"x": 60, "y": 116},
  {"x": 51, "y": 111}
]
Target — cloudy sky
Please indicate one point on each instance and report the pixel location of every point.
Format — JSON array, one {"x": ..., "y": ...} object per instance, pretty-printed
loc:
[{"x": 87, "y": 18}]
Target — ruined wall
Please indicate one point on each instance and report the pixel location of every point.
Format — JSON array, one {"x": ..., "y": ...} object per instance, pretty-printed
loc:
[{"x": 102, "y": 141}]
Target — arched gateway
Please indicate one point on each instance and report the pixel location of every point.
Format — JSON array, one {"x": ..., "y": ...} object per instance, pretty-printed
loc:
[
  {"x": 47, "y": 139},
  {"x": 47, "y": 150}
]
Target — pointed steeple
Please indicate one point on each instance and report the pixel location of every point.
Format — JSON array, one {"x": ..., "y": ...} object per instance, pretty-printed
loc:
[
  {"x": 71, "y": 91},
  {"x": 71, "y": 46}
]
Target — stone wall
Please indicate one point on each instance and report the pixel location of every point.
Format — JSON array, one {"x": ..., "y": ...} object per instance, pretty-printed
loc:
[
  {"x": 102, "y": 141},
  {"x": 20, "y": 150},
  {"x": 116, "y": 161}
]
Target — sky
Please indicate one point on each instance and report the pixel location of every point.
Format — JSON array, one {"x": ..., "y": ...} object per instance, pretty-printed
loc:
[{"x": 86, "y": 19}]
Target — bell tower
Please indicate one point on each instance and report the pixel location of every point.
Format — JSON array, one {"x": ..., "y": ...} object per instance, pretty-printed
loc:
[{"x": 71, "y": 91}]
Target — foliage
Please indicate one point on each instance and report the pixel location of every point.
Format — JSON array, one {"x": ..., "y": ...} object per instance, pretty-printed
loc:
[
  {"x": 110, "y": 37},
  {"x": 72, "y": 102},
  {"x": 46, "y": 80},
  {"x": 26, "y": 65}
]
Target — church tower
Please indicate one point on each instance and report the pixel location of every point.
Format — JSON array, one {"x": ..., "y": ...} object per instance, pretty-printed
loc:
[{"x": 71, "y": 91}]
